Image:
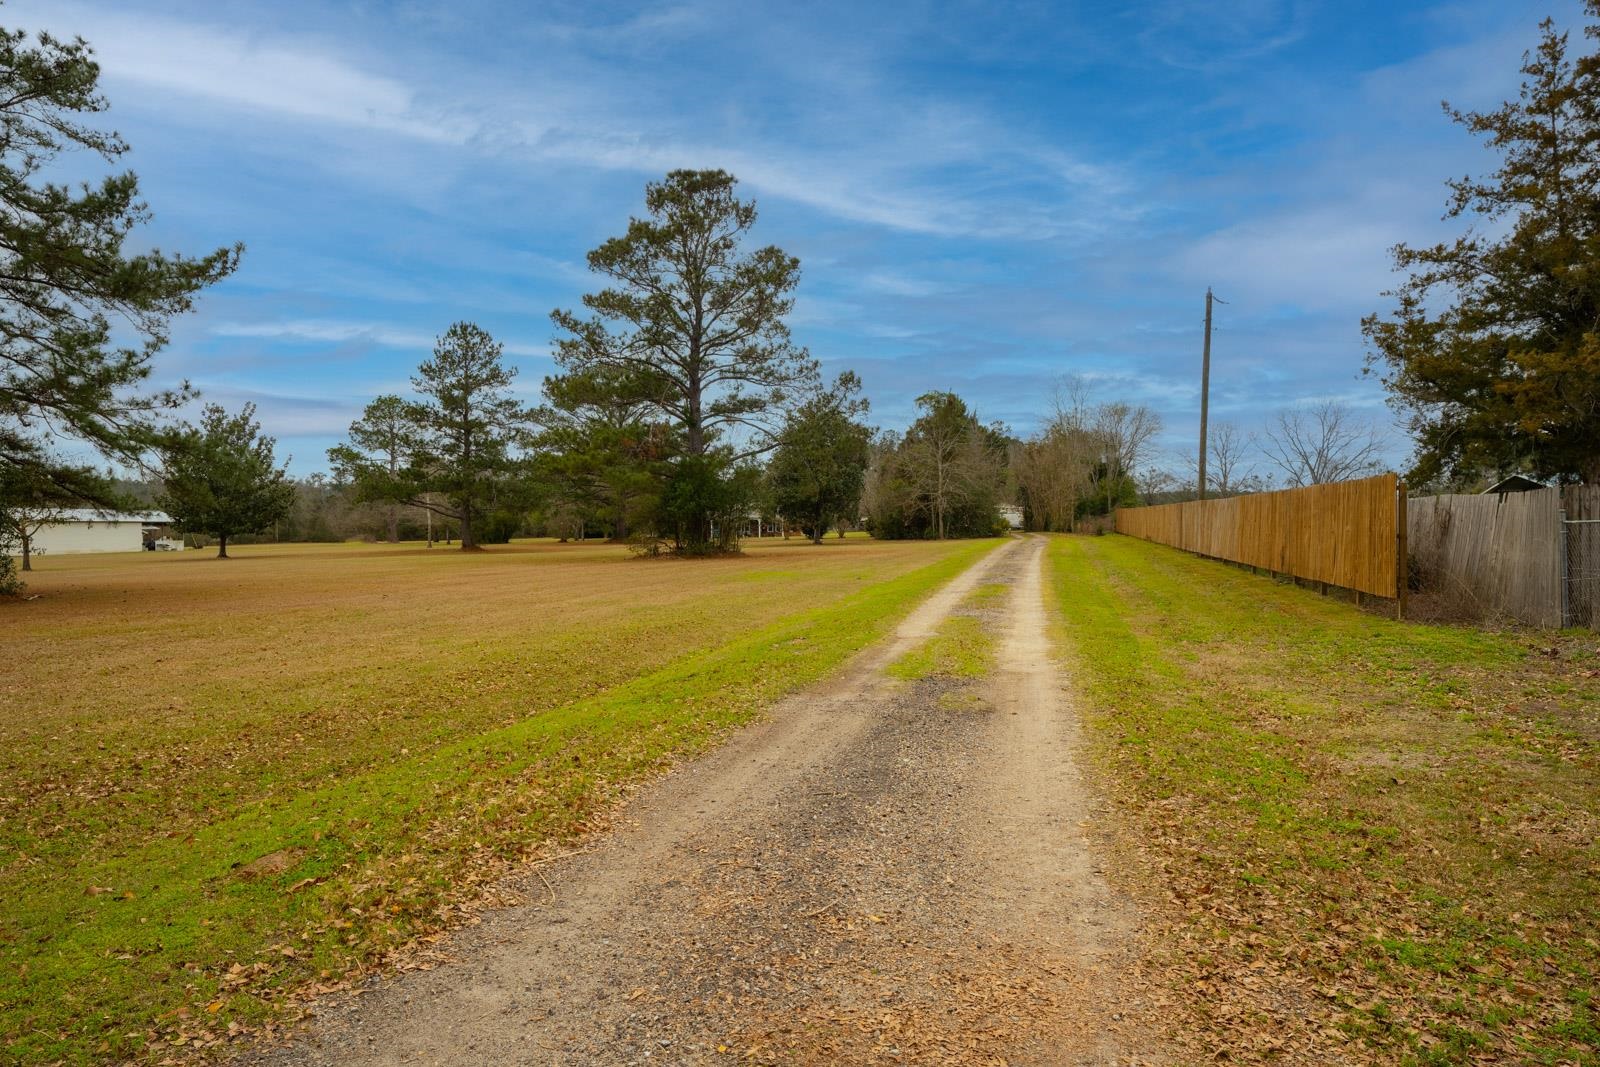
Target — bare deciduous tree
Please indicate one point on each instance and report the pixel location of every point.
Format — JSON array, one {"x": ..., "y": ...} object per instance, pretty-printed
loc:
[
  {"x": 1321, "y": 444},
  {"x": 1125, "y": 433},
  {"x": 1229, "y": 463},
  {"x": 1152, "y": 482},
  {"x": 1084, "y": 452},
  {"x": 1054, "y": 467}
]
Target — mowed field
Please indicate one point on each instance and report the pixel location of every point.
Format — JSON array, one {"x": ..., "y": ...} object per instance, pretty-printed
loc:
[
  {"x": 1364, "y": 841},
  {"x": 221, "y": 781}
]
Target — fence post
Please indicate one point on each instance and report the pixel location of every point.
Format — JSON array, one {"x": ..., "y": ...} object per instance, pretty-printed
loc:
[
  {"x": 1566, "y": 571},
  {"x": 1402, "y": 566}
]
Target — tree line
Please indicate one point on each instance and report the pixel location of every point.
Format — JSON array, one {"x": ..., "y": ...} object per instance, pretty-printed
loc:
[{"x": 682, "y": 406}]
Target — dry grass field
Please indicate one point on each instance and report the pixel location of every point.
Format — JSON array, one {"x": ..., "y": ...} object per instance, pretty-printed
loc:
[{"x": 225, "y": 781}]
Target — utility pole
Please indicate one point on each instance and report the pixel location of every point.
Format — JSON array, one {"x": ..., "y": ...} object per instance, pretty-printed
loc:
[{"x": 1205, "y": 393}]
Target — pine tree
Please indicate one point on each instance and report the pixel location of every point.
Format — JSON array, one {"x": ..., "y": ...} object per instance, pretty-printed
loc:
[
  {"x": 1493, "y": 349},
  {"x": 469, "y": 430},
  {"x": 65, "y": 277},
  {"x": 598, "y": 455},
  {"x": 701, "y": 323},
  {"x": 377, "y": 459},
  {"x": 220, "y": 477}
]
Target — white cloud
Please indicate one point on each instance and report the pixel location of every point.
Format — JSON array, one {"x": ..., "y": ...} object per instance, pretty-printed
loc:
[
  {"x": 896, "y": 284},
  {"x": 280, "y": 75},
  {"x": 943, "y": 168},
  {"x": 336, "y": 332},
  {"x": 1194, "y": 35},
  {"x": 324, "y": 330},
  {"x": 1319, "y": 259}
]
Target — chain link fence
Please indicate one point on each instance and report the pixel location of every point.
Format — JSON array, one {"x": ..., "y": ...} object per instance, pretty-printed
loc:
[{"x": 1581, "y": 566}]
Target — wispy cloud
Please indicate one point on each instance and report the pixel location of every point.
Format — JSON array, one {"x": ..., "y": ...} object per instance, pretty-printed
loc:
[
  {"x": 1196, "y": 35},
  {"x": 333, "y": 332},
  {"x": 927, "y": 165},
  {"x": 897, "y": 284},
  {"x": 266, "y": 74}
]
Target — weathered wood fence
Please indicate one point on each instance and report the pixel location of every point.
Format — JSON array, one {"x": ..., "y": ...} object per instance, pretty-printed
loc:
[
  {"x": 1491, "y": 555},
  {"x": 1533, "y": 557},
  {"x": 1347, "y": 534}
]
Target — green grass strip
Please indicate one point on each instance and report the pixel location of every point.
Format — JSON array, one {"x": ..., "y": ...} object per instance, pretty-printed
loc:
[
  {"x": 960, "y": 649},
  {"x": 1395, "y": 812}
]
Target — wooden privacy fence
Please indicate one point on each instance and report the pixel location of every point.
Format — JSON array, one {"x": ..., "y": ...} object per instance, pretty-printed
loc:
[
  {"x": 1491, "y": 555},
  {"x": 1347, "y": 534}
]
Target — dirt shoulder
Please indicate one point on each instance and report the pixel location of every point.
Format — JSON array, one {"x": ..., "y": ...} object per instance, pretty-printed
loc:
[{"x": 883, "y": 871}]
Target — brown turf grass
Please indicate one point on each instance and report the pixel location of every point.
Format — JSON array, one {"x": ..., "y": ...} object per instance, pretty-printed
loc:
[{"x": 224, "y": 781}]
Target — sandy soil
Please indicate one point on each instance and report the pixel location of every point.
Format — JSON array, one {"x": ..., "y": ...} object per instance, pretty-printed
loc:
[{"x": 881, "y": 872}]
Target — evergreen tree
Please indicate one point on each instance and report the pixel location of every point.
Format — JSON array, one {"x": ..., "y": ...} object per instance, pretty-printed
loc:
[
  {"x": 700, "y": 323},
  {"x": 10, "y": 582},
  {"x": 220, "y": 477},
  {"x": 30, "y": 498},
  {"x": 65, "y": 277},
  {"x": 598, "y": 456},
  {"x": 469, "y": 432},
  {"x": 820, "y": 465},
  {"x": 377, "y": 459},
  {"x": 944, "y": 478},
  {"x": 1493, "y": 348}
]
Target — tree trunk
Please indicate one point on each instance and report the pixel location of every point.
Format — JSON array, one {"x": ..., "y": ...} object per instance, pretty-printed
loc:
[
  {"x": 622, "y": 517},
  {"x": 27, "y": 552},
  {"x": 695, "y": 431},
  {"x": 469, "y": 540},
  {"x": 394, "y": 524},
  {"x": 222, "y": 546}
]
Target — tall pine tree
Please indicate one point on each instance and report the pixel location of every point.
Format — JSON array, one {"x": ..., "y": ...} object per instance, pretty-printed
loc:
[
  {"x": 377, "y": 459},
  {"x": 699, "y": 320},
  {"x": 65, "y": 279},
  {"x": 1493, "y": 348},
  {"x": 469, "y": 430}
]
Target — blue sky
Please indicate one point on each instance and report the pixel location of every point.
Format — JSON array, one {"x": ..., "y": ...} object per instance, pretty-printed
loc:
[{"x": 984, "y": 197}]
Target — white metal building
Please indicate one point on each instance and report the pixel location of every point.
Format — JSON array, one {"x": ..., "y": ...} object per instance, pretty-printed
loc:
[{"x": 88, "y": 530}]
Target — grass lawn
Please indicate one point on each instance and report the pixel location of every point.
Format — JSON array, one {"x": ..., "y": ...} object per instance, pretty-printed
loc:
[
  {"x": 1373, "y": 837},
  {"x": 225, "y": 781}
]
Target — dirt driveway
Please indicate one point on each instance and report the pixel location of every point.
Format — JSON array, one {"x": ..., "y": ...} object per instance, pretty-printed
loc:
[{"x": 882, "y": 872}]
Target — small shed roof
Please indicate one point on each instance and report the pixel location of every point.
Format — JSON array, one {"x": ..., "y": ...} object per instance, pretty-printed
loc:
[
  {"x": 1517, "y": 483},
  {"x": 148, "y": 518}
]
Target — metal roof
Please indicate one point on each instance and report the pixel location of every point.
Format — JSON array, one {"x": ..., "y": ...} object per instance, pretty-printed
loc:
[{"x": 149, "y": 518}]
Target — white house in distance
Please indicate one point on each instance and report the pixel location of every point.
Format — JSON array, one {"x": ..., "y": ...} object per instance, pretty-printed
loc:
[
  {"x": 88, "y": 530},
  {"x": 1012, "y": 515}
]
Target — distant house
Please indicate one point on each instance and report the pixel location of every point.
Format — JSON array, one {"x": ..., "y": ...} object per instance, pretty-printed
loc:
[
  {"x": 1012, "y": 515},
  {"x": 1517, "y": 483},
  {"x": 88, "y": 530}
]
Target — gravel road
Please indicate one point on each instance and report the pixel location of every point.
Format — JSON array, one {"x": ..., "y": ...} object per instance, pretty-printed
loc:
[{"x": 880, "y": 872}]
